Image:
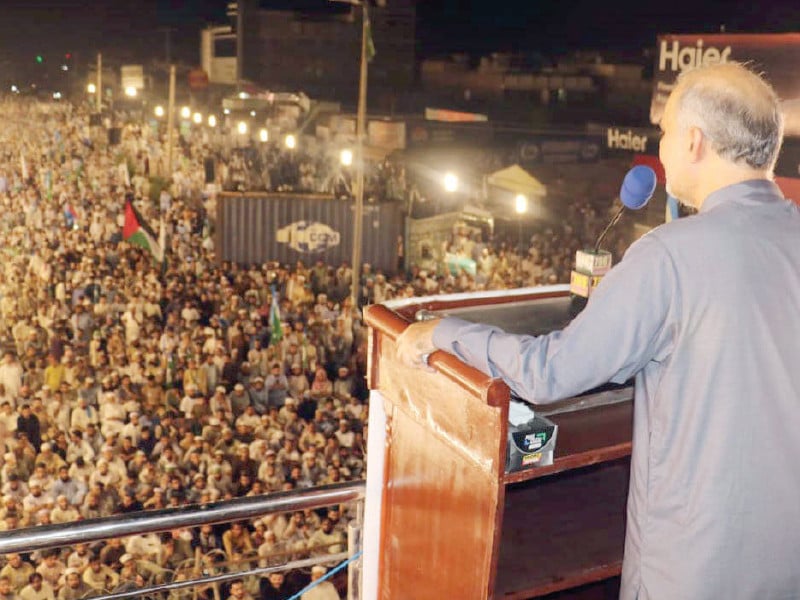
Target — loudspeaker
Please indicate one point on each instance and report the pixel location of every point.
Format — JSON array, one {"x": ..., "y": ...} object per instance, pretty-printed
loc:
[
  {"x": 114, "y": 136},
  {"x": 209, "y": 166}
]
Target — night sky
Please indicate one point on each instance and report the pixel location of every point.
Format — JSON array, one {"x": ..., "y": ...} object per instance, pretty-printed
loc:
[
  {"x": 620, "y": 25},
  {"x": 82, "y": 27}
]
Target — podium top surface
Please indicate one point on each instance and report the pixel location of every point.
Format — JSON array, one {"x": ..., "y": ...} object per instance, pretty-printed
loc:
[
  {"x": 533, "y": 310},
  {"x": 533, "y": 316}
]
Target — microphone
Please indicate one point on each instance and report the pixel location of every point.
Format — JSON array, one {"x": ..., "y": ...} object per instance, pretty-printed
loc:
[
  {"x": 636, "y": 190},
  {"x": 591, "y": 264}
]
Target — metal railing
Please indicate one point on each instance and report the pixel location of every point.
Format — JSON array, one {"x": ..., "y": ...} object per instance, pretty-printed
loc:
[{"x": 92, "y": 530}]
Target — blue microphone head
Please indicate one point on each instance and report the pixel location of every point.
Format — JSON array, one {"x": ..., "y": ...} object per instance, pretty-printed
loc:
[{"x": 637, "y": 187}]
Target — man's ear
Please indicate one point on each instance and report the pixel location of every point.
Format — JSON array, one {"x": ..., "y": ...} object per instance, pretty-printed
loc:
[{"x": 698, "y": 144}]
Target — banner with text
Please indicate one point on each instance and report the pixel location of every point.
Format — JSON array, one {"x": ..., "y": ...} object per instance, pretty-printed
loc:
[{"x": 776, "y": 55}]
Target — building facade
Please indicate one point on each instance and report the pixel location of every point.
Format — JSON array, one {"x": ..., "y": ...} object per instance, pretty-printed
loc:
[{"x": 315, "y": 47}]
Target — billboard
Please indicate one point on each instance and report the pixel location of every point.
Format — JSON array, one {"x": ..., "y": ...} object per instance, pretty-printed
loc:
[
  {"x": 623, "y": 139},
  {"x": 554, "y": 149},
  {"x": 132, "y": 76},
  {"x": 776, "y": 55}
]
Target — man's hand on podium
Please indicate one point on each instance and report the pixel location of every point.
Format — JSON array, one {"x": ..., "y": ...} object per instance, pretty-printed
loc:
[{"x": 415, "y": 344}]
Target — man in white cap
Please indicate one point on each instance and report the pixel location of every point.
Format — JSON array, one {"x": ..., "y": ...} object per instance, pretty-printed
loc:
[
  {"x": 62, "y": 512},
  {"x": 323, "y": 590},
  {"x": 129, "y": 565},
  {"x": 239, "y": 399},
  {"x": 133, "y": 428},
  {"x": 36, "y": 500},
  {"x": 51, "y": 461}
]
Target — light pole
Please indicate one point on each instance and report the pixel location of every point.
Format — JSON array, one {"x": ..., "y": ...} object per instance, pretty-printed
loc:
[
  {"x": 167, "y": 43},
  {"x": 170, "y": 119},
  {"x": 99, "y": 97},
  {"x": 239, "y": 42},
  {"x": 361, "y": 116}
]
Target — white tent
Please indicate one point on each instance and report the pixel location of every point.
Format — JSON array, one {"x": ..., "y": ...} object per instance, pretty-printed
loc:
[{"x": 519, "y": 181}]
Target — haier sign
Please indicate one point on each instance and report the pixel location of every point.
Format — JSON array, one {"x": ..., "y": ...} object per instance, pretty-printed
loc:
[{"x": 776, "y": 55}]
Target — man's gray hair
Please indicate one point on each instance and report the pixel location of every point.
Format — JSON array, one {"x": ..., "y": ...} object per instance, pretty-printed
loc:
[{"x": 737, "y": 110}]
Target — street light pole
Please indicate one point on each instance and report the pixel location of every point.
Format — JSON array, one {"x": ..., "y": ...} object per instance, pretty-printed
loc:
[
  {"x": 170, "y": 118},
  {"x": 361, "y": 117},
  {"x": 99, "y": 95},
  {"x": 167, "y": 43},
  {"x": 239, "y": 42}
]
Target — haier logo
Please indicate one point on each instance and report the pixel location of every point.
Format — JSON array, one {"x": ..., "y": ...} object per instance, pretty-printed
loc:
[
  {"x": 674, "y": 57},
  {"x": 626, "y": 141},
  {"x": 308, "y": 237}
]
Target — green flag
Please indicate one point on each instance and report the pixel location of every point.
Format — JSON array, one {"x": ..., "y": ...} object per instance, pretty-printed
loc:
[
  {"x": 276, "y": 331},
  {"x": 368, "y": 35}
]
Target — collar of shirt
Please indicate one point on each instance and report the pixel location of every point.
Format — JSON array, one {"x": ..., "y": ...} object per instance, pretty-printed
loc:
[{"x": 754, "y": 191}]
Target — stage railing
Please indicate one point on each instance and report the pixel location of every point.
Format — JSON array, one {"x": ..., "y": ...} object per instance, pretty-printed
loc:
[{"x": 44, "y": 537}]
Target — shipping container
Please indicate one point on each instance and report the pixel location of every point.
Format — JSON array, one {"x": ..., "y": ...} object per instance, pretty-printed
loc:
[{"x": 256, "y": 228}]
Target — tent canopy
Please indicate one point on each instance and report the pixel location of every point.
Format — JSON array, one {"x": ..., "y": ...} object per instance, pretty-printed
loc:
[{"x": 519, "y": 181}]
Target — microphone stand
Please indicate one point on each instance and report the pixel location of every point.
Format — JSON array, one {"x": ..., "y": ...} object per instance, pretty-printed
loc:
[{"x": 608, "y": 227}]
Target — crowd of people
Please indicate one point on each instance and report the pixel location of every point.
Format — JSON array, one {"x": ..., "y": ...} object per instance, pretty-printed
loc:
[
  {"x": 131, "y": 384},
  {"x": 312, "y": 165}
]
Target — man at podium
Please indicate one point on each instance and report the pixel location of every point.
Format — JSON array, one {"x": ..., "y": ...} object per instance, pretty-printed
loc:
[{"x": 705, "y": 313}]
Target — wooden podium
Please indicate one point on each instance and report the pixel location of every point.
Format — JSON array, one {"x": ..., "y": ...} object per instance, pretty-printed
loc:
[{"x": 453, "y": 523}]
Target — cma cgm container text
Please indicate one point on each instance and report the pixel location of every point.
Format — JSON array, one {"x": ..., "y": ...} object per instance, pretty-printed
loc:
[{"x": 259, "y": 227}]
